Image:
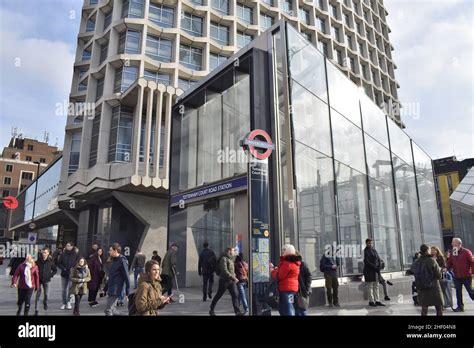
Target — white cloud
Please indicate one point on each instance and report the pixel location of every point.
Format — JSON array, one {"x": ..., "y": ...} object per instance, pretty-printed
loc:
[
  {"x": 35, "y": 74},
  {"x": 433, "y": 50}
]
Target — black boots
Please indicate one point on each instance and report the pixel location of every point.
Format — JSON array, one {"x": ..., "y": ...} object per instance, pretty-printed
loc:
[{"x": 27, "y": 310}]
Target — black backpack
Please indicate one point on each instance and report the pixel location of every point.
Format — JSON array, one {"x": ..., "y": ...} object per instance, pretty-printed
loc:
[
  {"x": 132, "y": 309},
  {"x": 218, "y": 266},
  {"x": 423, "y": 275}
]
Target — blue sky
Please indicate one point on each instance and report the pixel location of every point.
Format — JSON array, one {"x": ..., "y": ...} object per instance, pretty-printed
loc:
[{"x": 433, "y": 42}]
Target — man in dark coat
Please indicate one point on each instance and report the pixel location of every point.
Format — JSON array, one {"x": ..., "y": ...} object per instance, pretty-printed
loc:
[
  {"x": 206, "y": 268},
  {"x": 67, "y": 260},
  {"x": 328, "y": 265},
  {"x": 47, "y": 270},
  {"x": 372, "y": 266},
  {"x": 118, "y": 275}
]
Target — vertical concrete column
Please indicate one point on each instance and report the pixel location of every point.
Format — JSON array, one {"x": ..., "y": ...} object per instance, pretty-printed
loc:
[
  {"x": 149, "y": 110},
  {"x": 170, "y": 91},
  {"x": 161, "y": 89},
  {"x": 137, "y": 119}
]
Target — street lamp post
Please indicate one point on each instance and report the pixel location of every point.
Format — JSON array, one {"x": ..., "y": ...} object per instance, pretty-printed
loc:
[{"x": 36, "y": 190}]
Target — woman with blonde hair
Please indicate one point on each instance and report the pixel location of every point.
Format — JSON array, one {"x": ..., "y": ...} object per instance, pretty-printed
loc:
[
  {"x": 80, "y": 275},
  {"x": 438, "y": 256},
  {"x": 26, "y": 280}
]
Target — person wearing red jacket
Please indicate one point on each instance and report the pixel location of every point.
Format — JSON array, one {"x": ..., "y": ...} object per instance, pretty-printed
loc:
[
  {"x": 287, "y": 274},
  {"x": 460, "y": 261},
  {"x": 26, "y": 280}
]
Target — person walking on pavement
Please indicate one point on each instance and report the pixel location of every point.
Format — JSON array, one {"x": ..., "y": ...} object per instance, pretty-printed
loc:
[
  {"x": 225, "y": 269},
  {"x": 242, "y": 274},
  {"x": 118, "y": 277},
  {"x": 92, "y": 251},
  {"x": 26, "y": 280},
  {"x": 138, "y": 266},
  {"x": 328, "y": 265},
  {"x": 148, "y": 297},
  {"x": 372, "y": 266},
  {"x": 96, "y": 268},
  {"x": 206, "y": 268},
  {"x": 47, "y": 269},
  {"x": 287, "y": 273},
  {"x": 67, "y": 260},
  {"x": 427, "y": 275},
  {"x": 460, "y": 261},
  {"x": 80, "y": 276},
  {"x": 156, "y": 257},
  {"x": 168, "y": 269},
  {"x": 304, "y": 289}
]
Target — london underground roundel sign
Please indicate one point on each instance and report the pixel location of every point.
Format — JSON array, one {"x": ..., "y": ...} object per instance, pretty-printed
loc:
[
  {"x": 253, "y": 141},
  {"x": 10, "y": 202}
]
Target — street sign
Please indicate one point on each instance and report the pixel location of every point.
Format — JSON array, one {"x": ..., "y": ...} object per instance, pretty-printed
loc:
[
  {"x": 32, "y": 225},
  {"x": 251, "y": 141},
  {"x": 32, "y": 236},
  {"x": 10, "y": 202}
]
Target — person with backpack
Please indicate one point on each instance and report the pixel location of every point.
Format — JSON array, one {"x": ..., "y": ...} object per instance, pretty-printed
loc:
[
  {"x": 287, "y": 273},
  {"x": 242, "y": 274},
  {"x": 225, "y": 269},
  {"x": 47, "y": 270},
  {"x": 427, "y": 275},
  {"x": 80, "y": 276},
  {"x": 138, "y": 266},
  {"x": 168, "y": 269},
  {"x": 117, "y": 278},
  {"x": 66, "y": 262},
  {"x": 328, "y": 265},
  {"x": 372, "y": 267},
  {"x": 148, "y": 299},
  {"x": 460, "y": 261},
  {"x": 206, "y": 268},
  {"x": 156, "y": 257},
  {"x": 301, "y": 303}
]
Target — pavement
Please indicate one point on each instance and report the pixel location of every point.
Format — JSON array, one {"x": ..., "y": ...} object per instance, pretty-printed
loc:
[{"x": 189, "y": 302}]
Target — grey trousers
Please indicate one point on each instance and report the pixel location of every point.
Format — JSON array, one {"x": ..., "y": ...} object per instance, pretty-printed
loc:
[
  {"x": 373, "y": 289},
  {"x": 45, "y": 288},
  {"x": 110, "y": 309}
]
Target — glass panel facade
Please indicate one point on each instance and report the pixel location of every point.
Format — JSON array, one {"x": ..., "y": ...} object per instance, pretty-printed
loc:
[
  {"x": 245, "y": 13},
  {"x": 221, "y": 6},
  {"x": 129, "y": 42},
  {"x": 209, "y": 138},
  {"x": 315, "y": 197},
  {"x": 220, "y": 33},
  {"x": 427, "y": 197},
  {"x": 75, "y": 152},
  {"x": 124, "y": 78},
  {"x": 161, "y": 15},
  {"x": 190, "y": 57},
  {"x": 94, "y": 140},
  {"x": 215, "y": 60},
  {"x": 157, "y": 77},
  {"x": 159, "y": 48},
  {"x": 343, "y": 94},
  {"x": 192, "y": 24},
  {"x": 120, "y": 145},
  {"x": 307, "y": 66}
]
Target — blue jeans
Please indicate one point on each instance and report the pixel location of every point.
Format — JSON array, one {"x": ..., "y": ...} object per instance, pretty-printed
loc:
[
  {"x": 136, "y": 272},
  {"x": 287, "y": 299},
  {"x": 65, "y": 283},
  {"x": 243, "y": 295},
  {"x": 300, "y": 312}
]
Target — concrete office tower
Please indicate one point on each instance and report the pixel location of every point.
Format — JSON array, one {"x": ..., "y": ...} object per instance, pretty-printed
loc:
[{"x": 135, "y": 56}]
